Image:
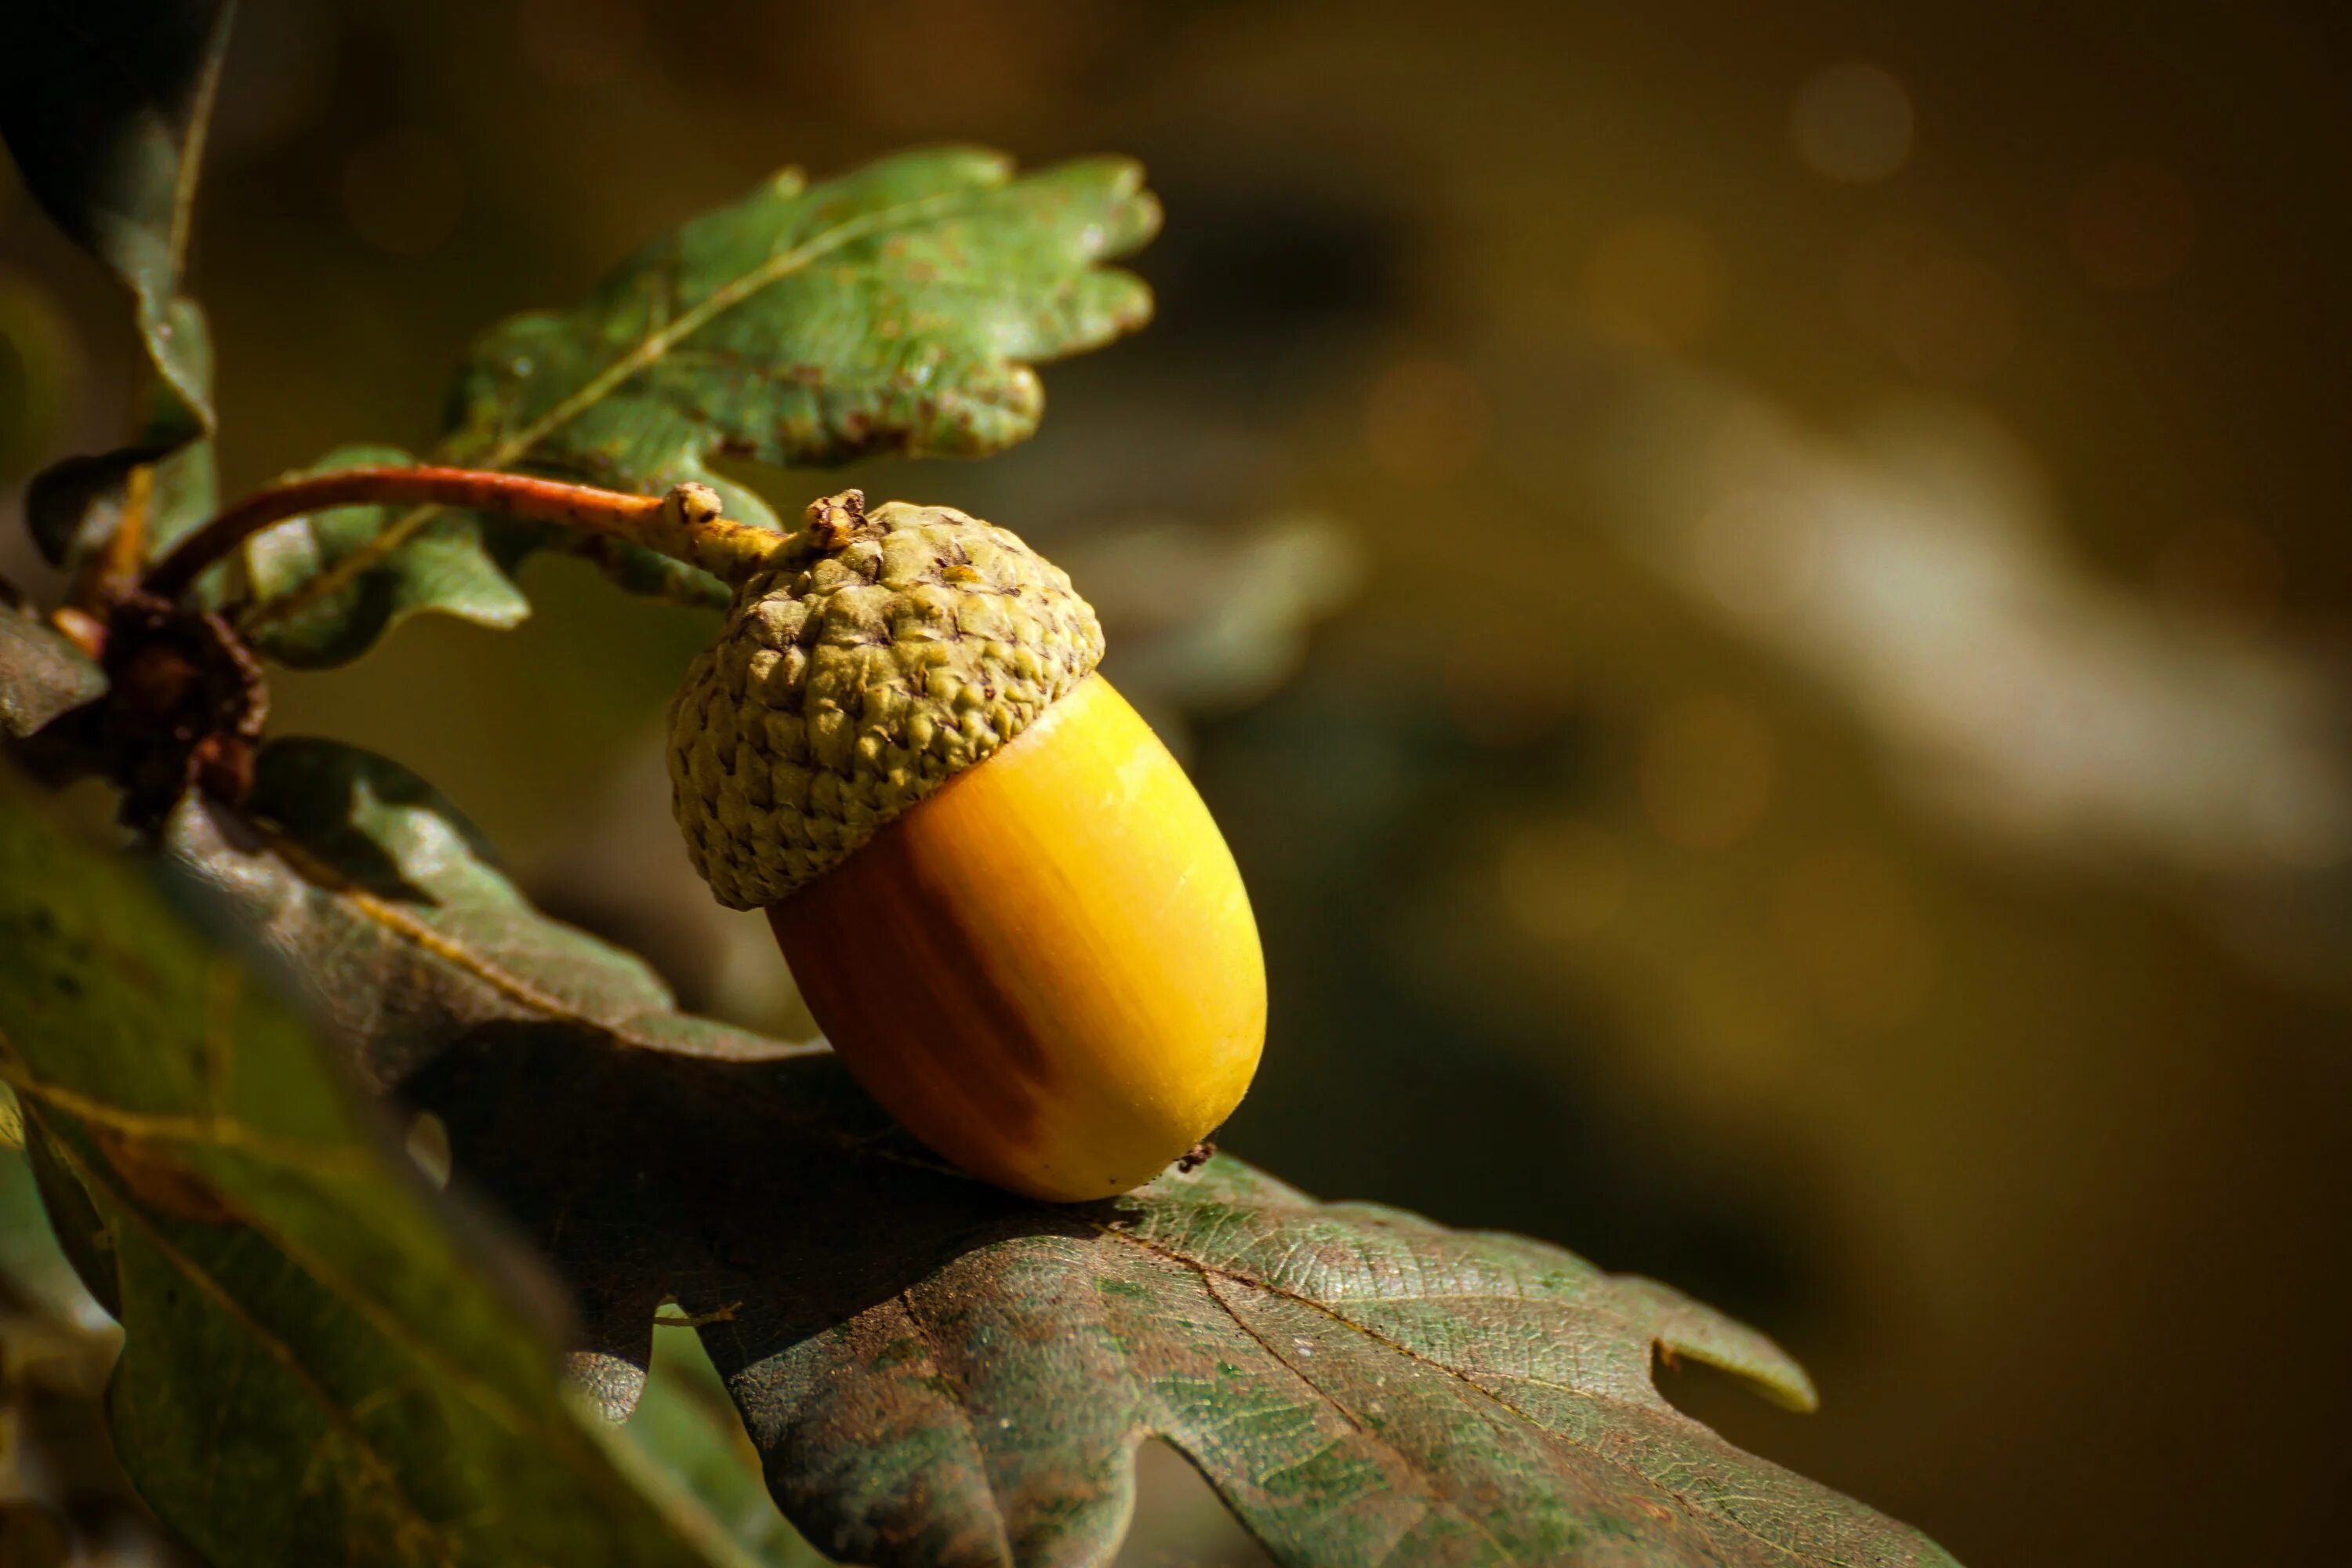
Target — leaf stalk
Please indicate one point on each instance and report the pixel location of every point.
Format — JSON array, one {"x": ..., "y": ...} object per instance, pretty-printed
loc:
[{"x": 684, "y": 524}]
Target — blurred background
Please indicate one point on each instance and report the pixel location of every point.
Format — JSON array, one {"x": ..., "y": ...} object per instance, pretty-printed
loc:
[{"x": 1762, "y": 592}]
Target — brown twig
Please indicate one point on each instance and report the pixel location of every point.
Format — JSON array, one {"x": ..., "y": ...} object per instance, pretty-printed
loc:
[
  {"x": 684, "y": 524},
  {"x": 111, "y": 572},
  {"x": 725, "y": 1314}
]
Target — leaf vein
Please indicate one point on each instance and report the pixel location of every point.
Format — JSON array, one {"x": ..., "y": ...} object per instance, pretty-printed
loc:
[
  {"x": 959, "y": 1400},
  {"x": 373, "y": 1463},
  {"x": 321, "y": 1160},
  {"x": 646, "y": 353},
  {"x": 1691, "y": 1504},
  {"x": 1431, "y": 1498}
]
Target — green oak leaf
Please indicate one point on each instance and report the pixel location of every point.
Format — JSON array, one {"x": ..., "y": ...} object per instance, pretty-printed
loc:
[
  {"x": 895, "y": 309},
  {"x": 936, "y": 1372},
  {"x": 104, "y": 105},
  {"x": 901, "y": 308},
  {"x": 323, "y": 1361}
]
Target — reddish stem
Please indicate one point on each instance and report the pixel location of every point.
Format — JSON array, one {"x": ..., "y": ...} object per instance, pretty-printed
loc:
[
  {"x": 543, "y": 500},
  {"x": 684, "y": 524}
]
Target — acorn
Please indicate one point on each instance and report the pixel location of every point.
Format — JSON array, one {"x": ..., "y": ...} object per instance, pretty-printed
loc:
[{"x": 1005, "y": 905}]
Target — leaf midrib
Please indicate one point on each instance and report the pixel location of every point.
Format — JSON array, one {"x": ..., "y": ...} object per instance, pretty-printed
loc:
[
  {"x": 1434, "y": 1496},
  {"x": 379, "y": 1469},
  {"x": 1207, "y": 1270},
  {"x": 577, "y": 1453},
  {"x": 648, "y": 352}
]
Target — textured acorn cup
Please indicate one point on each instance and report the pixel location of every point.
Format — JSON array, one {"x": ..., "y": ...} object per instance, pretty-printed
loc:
[{"x": 1005, "y": 904}]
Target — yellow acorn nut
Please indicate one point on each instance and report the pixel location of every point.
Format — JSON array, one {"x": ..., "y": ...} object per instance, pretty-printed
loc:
[{"x": 1005, "y": 904}]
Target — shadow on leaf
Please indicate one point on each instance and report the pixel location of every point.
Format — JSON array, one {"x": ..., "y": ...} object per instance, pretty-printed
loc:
[{"x": 937, "y": 1372}]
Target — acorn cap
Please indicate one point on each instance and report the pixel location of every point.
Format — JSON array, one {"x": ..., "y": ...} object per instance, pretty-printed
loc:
[{"x": 874, "y": 656}]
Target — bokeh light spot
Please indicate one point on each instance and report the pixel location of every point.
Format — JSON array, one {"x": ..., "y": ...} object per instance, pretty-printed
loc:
[
  {"x": 1658, "y": 282},
  {"x": 1425, "y": 421},
  {"x": 32, "y": 1533},
  {"x": 1851, "y": 928},
  {"x": 2224, "y": 569},
  {"x": 428, "y": 1144},
  {"x": 1706, "y": 768},
  {"x": 1943, "y": 314},
  {"x": 1562, "y": 880},
  {"x": 580, "y": 42},
  {"x": 1743, "y": 1021},
  {"x": 976, "y": 63},
  {"x": 283, "y": 72},
  {"x": 403, "y": 191},
  {"x": 1506, "y": 684},
  {"x": 2296, "y": 813},
  {"x": 1852, "y": 121},
  {"x": 1953, "y": 321},
  {"x": 2131, "y": 226},
  {"x": 1757, "y": 551}
]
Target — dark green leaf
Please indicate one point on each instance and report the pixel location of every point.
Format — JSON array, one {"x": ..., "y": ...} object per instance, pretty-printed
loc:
[
  {"x": 899, "y": 309},
  {"x": 60, "y": 1348},
  {"x": 316, "y": 1367},
  {"x": 36, "y": 1278},
  {"x": 41, "y": 674},
  {"x": 184, "y": 488},
  {"x": 103, "y": 103}
]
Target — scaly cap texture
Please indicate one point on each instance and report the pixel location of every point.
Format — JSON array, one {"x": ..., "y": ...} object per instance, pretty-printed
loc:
[{"x": 877, "y": 655}]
